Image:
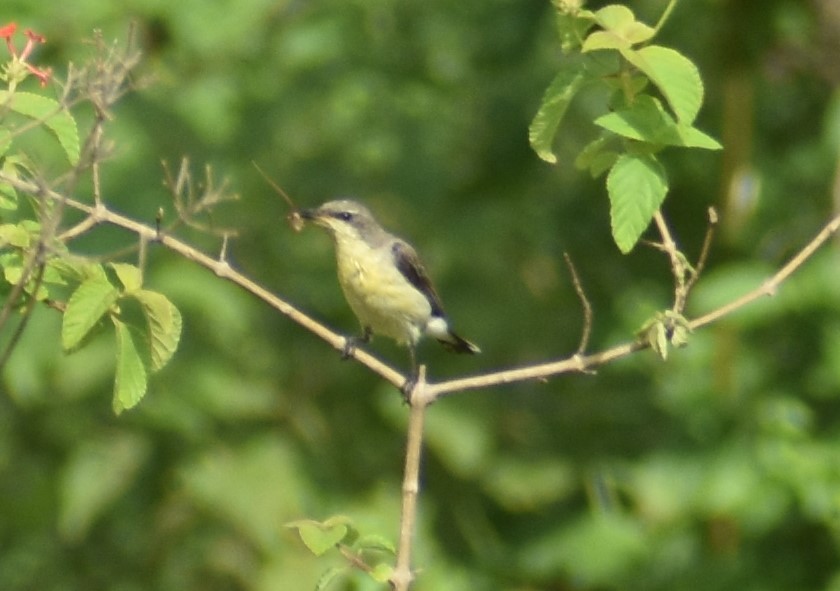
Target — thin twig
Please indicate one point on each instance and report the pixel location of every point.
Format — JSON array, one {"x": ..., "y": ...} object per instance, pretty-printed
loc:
[
  {"x": 771, "y": 286},
  {"x": 704, "y": 251},
  {"x": 27, "y": 313},
  {"x": 584, "y": 301},
  {"x": 678, "y": 265}
]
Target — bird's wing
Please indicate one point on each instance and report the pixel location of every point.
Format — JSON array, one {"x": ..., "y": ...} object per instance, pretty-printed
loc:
[{"x": 408, "y": 263}]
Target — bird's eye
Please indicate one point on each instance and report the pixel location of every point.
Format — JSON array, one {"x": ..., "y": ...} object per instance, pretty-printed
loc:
[{"x": 345, "y": 215}]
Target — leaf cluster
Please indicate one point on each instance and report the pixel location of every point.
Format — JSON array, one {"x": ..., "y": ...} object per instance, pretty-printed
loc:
[{"x": 654, "y": 96}]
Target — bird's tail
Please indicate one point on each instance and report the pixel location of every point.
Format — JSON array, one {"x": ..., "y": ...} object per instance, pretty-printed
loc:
[
  {"x": 438, "y": 328},
  {"x": 456, "y": 344}
]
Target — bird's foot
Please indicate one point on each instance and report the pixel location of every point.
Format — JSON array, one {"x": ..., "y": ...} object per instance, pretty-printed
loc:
[
  {"x": 350, "y": 344},
  {"x": 407, "y": 389}
]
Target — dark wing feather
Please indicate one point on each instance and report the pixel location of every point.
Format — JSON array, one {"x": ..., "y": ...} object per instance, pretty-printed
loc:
[{"x": 407, "y": 261}]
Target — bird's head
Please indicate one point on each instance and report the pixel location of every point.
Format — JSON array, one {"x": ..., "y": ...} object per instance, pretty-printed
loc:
[{"x": 345, "y": 220}]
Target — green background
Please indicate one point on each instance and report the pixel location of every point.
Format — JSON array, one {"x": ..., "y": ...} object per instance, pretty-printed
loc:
[{"x": 719, "y": 469}]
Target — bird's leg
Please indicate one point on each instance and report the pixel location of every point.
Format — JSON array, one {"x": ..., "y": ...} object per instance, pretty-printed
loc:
[
  {"x": 411, "y": 381},
  {"x": 350, "y": 343}
]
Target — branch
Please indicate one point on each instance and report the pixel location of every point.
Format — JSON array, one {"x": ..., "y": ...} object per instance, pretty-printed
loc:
[
  {"x": 419, "y": 399},
  {"x": 584, "y": 301},
  {"x": 424, "y": 392},
  {"x": 100, "y": 214},
  {"x": 771, "y": 286}
]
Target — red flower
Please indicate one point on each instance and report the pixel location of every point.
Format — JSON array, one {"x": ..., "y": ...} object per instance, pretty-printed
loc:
[
  {"x": 32, "y": 39},
  {"x": 7, "y": 31}
]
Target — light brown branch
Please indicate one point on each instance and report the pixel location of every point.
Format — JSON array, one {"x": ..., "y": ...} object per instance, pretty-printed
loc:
[
  {"x": 425, "y": 393},
  {"x": 584, "y": 301},
  {"x": 704, "y": 250},
  {"x": 771, "y": 286},
  {"x": 418, "y": 398},
  {"x": 678, "y": 263},
  {"x": 102, "y": 214}
]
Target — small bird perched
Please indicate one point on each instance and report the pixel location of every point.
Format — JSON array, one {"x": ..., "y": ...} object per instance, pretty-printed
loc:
[{"x": 384, "y": 281}]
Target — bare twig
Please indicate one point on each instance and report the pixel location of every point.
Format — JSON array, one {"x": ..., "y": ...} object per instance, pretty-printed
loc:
[
  {"x": 584, "y": 301},
  {"x": 27, "y": 314},
  {"x": 771, "y": 286},
  {"x": 704, "y": 250},
  {"x": 679, "y": 267}
]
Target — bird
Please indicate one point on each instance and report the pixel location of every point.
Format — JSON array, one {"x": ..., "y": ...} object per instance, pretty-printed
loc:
[{"x": 384, "y": 281}]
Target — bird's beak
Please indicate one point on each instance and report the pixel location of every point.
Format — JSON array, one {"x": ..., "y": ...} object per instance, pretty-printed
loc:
[{"x": 309, "y": 214}]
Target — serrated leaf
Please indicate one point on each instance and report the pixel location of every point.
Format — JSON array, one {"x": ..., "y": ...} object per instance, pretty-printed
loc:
[
  {"x": 327, "y": 578},
  {"x": 163, "y": 322},
  {"x": 86, "y": 306},
  {"x": 694, "y": 138},
  {"x": 55, "y": 117},
  {"x": 647, "y": 120},
  {"x": 555, "y": 102},
  {"x": 130, "y": 379},
  {"x": 636, "y": 185},
  {"x": 676, "y": 77},
  {"x": 129, "y": 275}
]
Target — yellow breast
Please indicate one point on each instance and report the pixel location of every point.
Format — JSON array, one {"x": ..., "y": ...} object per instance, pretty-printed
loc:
[{"x": 380, "y": 296}]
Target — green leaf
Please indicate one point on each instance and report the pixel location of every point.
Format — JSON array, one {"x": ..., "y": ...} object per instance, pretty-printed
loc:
[
  {"x": 647, "y": 120},
  {"x": 319, "y": 537},
  {"x": 620, "y": 29},
  {"x": 603, "y": 40},
  {"x": 130, "y": 380},
  {"x": 556, "y": 100},
  {"x": 57, "y": 119},
  {"x": 382, "y": 572},
  {"x": 129, "y": 275},
  {"x": 15, "y": 235},
  {"x": 91, "y": 300},
  {"x": 675, "y": 75},
  {"x": 596, "y": 157},
  {"x": 163, "y": 321},
  {"x": 636, "y": 185},
  {"x": 614, "y": 16},
  {"x": 694, "y": 138}
]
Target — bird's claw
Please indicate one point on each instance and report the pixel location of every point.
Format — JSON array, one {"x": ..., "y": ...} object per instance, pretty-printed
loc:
[
  {"x": 407, "y": 389},
  {"x": 350, "y": 344}
]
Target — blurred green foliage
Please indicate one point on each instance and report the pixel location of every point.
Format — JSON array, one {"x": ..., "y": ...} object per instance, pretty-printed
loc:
[{"x": 719, "y": 469}]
